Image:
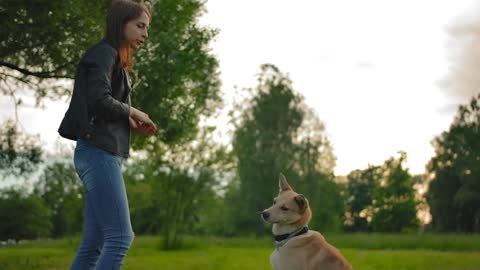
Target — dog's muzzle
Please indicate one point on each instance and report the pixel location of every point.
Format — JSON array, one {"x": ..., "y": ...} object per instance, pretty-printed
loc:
[{"x": 265, "y": 215}]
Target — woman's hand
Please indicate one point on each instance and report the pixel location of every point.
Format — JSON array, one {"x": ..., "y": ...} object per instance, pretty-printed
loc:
[
  {"x": 141, "y": 128},
  {"x": 141, "y": 123}
]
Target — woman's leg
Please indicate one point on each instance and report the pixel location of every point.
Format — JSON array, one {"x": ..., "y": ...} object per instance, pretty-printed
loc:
[
  {"x": 89, "y": 251},
  {"x": 107, "y": 218},
  {"x": 111, "y": 207}
]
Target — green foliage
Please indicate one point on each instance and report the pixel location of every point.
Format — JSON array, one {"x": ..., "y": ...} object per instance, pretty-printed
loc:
[
  {"x": 382, "y": 198},
  {"x": 313, "y": 162},
  {"x": 360, "y": 188},
  {"x": 262, "y": 143},
  {"x": 326, "y": 201},
  {"x": 176, "y": 75},
  {"x": 177, "y": 81},
  {"x": 275, "y": 132},
  {"x": 170, "y": 193},
  {"x": 454, "y": 191},
  {"x": 62, "y": 192},
  {"x": 43, "y": 40},
  {"x": 394, "y": 204},
  {"x": 23, "y": 217},
  {"x": 20, "y": 153}
]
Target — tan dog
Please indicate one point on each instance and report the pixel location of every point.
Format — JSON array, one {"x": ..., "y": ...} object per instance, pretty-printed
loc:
[{"x": 298, "y": 248}]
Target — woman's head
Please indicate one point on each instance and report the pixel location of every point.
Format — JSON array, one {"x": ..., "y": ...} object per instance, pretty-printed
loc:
[{"x": 127, "y": 28}]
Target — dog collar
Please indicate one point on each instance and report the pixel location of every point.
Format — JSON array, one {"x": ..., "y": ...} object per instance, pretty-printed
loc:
[{"x": 281, "y": 239}]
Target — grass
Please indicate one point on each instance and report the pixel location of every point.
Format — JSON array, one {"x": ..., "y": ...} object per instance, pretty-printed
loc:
[
  {"x": 364, "y": 251},
  {"x": 444, "y": 242}
]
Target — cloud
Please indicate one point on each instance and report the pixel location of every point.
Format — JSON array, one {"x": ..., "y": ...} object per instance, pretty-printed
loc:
[{"x": 463, "y": 81}]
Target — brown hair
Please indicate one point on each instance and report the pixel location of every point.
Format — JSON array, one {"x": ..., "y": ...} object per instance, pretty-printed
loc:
[{"x": 119, "y": 14}]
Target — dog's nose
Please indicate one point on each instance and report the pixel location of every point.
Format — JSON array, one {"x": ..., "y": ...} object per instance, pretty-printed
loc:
[{"x": 265, "y": 215}]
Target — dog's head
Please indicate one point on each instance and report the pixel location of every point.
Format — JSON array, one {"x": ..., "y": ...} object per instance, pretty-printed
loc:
[{"x": 289, "y": 207}]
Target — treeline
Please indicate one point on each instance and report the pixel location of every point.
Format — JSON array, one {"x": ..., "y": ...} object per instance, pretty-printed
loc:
[
  {"x": 182, "y": 181},
  {"x": 202, "y": 187}
]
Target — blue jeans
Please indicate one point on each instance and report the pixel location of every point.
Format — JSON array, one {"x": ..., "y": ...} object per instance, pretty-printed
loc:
[{"x": 107, "y": 231}]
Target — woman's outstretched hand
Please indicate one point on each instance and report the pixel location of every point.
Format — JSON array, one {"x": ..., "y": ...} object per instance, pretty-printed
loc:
[{"x": 141, "y": 123}]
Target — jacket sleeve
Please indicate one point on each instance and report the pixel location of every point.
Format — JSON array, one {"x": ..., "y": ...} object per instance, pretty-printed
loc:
[{"x": 100, "y": 64}]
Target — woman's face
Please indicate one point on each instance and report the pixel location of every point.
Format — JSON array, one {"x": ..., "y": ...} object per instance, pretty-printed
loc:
[{"x": 136, "y": 31}]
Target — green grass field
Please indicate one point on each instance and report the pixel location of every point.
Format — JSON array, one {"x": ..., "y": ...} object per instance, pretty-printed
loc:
[{"x": 364, "y": 251}]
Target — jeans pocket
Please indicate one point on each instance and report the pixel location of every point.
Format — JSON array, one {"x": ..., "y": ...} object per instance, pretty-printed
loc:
[
  {"x": 94, "y": 165},
  {"x": 87, "y": 160}
]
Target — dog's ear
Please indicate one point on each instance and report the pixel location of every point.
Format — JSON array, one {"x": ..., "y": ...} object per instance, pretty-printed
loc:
[
  {"x": 283, "y": 184},
  {"x": 302, "y": 202}
]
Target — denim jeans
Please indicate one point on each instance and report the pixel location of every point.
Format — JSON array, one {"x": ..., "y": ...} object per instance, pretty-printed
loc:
[{"x": 107, "y": 231}]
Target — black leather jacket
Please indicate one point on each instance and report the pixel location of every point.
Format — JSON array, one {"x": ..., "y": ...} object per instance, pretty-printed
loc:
[{"x": 100, "y": 104}]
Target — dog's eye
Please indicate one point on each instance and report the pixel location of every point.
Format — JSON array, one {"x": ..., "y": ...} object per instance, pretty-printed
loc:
[{"x": 283, "y": 208}]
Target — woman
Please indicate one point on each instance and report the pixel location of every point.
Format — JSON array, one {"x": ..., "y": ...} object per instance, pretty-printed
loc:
[{"x": 99, "y": 118}]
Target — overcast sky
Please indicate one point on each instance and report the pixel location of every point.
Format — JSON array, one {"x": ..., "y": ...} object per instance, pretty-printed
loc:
[{"x": 383, "y": 76}]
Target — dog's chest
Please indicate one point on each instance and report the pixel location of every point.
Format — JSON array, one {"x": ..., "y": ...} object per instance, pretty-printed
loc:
[
  {"x": 281, "y": 259},
  {"x": 275, "y": 259}
]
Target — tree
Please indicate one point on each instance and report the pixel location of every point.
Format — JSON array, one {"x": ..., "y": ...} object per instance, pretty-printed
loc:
[
  {"x": 168, "y": 192},
  {"x": 177, "y": 81},
  {"x": 360, "y": 190},
  {"x": 263, "y": 142},
  {"x": 394, "y": 203},
  {"x": 275, "y": 132},
  {"x": 314, "y": 163},
  {"x": 382, "y": 198},
  {"x": 325, "y": 199},
  {"x": 454, "y": 190},
  {"x": 62, "y": 192},
  {"x": 177, "y": 78},
  {"x": 42, "y": 42},
  {"x": 19, "y": 153},
  {"x": 23, "y": 216}
]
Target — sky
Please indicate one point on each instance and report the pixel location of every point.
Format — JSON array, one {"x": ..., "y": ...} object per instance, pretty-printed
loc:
[{"x": 383, "y": 76}]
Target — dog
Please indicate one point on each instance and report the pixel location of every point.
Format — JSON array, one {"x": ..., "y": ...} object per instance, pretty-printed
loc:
[{"x": 297, "y": 247}]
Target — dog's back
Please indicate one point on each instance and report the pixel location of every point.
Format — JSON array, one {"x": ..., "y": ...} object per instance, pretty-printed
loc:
[{"x": 308, "y": 252}]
